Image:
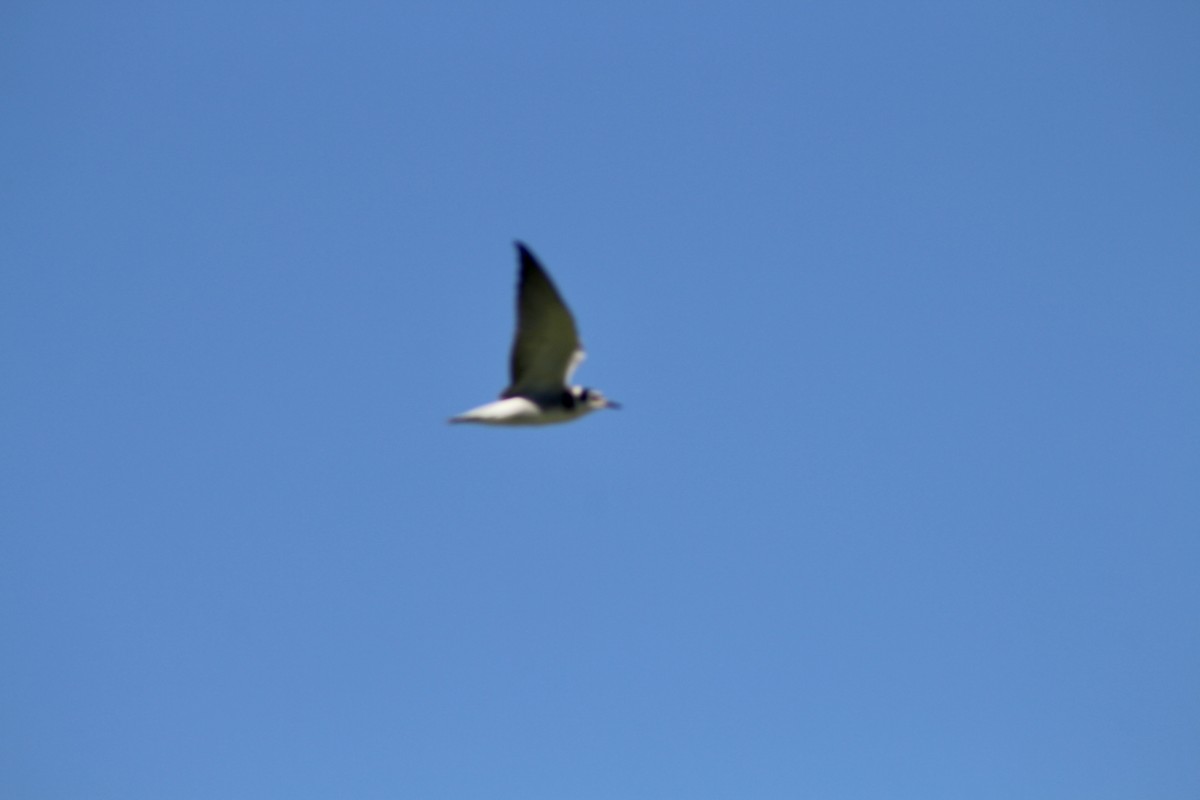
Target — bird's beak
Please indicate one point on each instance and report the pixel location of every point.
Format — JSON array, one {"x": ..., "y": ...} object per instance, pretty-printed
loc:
[{"x": 612, "y": 404}]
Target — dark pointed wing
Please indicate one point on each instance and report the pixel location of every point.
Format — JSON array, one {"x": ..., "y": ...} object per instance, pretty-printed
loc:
[{"x": 546, "y": 347}]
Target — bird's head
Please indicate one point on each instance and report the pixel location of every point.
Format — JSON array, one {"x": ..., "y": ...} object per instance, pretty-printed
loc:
[{"x": 593, "y": 399}]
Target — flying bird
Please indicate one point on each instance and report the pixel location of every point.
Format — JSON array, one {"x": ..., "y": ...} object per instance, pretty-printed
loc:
[{"x": 545, "y": 352}]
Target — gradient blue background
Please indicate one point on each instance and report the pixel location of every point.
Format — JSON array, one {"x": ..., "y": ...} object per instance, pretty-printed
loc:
[{"x": 903, "y": 302}]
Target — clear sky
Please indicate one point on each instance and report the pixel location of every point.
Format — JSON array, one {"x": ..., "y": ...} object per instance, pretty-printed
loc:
[{"x": 902, "y": 301}]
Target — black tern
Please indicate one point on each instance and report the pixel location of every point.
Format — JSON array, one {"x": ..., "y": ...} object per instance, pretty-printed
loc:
[{"x": 545, "y": 352}]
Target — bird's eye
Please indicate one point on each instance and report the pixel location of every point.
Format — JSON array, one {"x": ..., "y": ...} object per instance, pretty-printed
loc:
[{"x": 585, "y": 395}]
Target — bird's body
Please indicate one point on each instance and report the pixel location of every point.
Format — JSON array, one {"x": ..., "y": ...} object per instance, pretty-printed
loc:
[{"x": 545, "y": 351}]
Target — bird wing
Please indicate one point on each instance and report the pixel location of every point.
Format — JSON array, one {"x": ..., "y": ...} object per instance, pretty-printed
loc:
[{"x": 546, "y": 348}]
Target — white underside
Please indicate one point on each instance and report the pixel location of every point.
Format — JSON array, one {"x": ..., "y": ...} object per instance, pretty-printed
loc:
[{"x": 520, "y": 411}]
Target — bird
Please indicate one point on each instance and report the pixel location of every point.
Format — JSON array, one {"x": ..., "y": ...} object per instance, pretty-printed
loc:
[{"x": 545, "y": 352}]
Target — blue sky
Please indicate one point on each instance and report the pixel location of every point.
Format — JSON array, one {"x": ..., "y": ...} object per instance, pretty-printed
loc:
[{"x": 901, "y": 301}]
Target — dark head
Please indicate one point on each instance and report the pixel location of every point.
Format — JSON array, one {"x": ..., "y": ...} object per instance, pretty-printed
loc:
[{"x": 592, "y": 399}]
